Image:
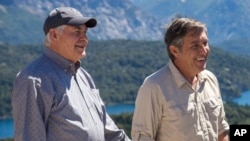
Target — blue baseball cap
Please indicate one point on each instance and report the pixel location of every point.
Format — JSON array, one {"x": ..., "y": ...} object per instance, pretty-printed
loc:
[{"x": 67, "y": 16}]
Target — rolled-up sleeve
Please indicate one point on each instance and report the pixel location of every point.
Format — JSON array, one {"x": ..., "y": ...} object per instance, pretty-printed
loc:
[
  {"x": 223, "y": 124},
  {"x": 147, "y": 115}
]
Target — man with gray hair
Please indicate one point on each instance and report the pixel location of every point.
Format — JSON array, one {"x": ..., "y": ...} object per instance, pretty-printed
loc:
[
  {"x": 182, "y": 100},
  {"x": 54, "y": 98}
]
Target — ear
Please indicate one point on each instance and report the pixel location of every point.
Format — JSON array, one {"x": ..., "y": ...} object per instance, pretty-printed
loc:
[
  {"x": 53, "y": 34},
  {"x": 174, "y": 50}
]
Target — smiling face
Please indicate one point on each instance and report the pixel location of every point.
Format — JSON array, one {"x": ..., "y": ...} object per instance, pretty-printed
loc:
[
  {"x": 191, "y": 58},
  {"x": 70, "y": 43}
]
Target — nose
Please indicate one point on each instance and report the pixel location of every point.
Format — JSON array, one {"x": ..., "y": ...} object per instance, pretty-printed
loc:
[
  {"x": 83, "y": 36},
  {"x": 204, "y": 49}
]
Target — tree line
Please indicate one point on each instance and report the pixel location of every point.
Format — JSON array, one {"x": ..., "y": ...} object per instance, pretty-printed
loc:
[{"x": 120, "y": 66}]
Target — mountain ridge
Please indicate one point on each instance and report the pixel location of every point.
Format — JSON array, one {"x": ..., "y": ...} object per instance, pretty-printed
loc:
[
  {"x": 116, "y": 20},
  {"x": 227, "y": 20}
]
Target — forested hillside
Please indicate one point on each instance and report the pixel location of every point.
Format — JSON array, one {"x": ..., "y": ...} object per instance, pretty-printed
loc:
[{"x": 119, "y": 67}]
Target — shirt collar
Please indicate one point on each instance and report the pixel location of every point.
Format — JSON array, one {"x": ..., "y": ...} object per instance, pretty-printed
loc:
[
  {"x": 66, "y": 65},
  {"x": 179, "y": 78}
]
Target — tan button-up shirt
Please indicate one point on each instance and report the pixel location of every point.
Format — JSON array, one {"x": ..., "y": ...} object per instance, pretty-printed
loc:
[{"x": 169, "y": 109}]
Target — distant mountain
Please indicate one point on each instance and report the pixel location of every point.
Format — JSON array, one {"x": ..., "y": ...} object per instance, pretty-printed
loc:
[
  {"x": 227, "y": 20},
  {"x": 21, "y": 20},
  {"x": 224, "y": 17}
]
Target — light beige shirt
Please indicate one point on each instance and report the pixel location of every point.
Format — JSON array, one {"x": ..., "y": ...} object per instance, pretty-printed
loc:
[{"x": 169, "y": 109}]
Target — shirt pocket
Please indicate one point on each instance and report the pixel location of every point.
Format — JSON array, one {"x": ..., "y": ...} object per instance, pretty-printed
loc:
[{"x": 213, "y": 107}]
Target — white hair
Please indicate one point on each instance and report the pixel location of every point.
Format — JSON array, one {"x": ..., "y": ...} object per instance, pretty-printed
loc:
[{"x": 47, "y": 39}]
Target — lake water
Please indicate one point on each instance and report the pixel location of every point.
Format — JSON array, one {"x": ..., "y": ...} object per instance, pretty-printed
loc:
[
  {"x": 6, "y": 128},
  {"x": 244, "y": 99},
  {"x": 6, "y": 125}
]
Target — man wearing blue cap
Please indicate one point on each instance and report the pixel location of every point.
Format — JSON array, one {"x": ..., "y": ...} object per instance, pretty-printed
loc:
[{"x": 54, "y": 98}]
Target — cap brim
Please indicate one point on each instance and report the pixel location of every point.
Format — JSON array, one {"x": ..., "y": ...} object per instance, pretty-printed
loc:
[{"x": 89, "y": 22}]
